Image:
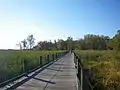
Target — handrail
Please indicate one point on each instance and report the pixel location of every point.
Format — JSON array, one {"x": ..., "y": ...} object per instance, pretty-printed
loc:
[
  {"x": 81, "y": 75},
  {"x": 2, "y": 84}
]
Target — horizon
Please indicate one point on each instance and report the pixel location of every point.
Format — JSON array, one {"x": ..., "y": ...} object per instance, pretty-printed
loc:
[{"x": 51, "y": 19}]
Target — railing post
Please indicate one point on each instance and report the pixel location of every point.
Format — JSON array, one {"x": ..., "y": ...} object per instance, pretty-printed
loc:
[
  {"x": 81, "y": 79},
  {"x": 56, "y": 55},
  {"x": 25, "y": 65},
  {"x": 47, "y": 58},
  {"x": 59, "y": 54},
  {"x": 83, "y": 75},
  {"x": 80, "y": 74},
  {"x": 53, "y": 57},
  {"x": 40, "y": 61}
]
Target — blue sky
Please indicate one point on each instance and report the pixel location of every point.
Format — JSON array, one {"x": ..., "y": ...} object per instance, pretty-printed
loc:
[{"x": 53, "y": 19}]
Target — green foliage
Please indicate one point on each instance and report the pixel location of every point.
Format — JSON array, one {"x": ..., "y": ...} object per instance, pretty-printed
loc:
[
  {"x": 60, "y": 44},
  {"x": 96, "y": 42},
  {"x": 31, "y": 41},
  {"x": 24, "y": 44},
  {"x": 105, "y": 67},
  {"x": 13, "y": 63},
  {"x": 90, "y": 42},
  {"x": 114, "y": 43}
]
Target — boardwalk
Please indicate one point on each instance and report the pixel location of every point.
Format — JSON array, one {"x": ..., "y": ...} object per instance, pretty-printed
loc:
[{"x": 59, "y": 76}]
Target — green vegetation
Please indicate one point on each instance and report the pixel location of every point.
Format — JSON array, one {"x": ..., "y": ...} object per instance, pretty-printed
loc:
[
  {"x": 100, "y": 54},
  {"x": 89, "y": 42},
  {"x": 13, "y": 63},
  {"x": 105, "y": 67}
]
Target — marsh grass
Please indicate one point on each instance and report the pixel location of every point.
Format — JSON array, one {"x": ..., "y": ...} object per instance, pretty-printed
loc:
[
  {"x": 12, "y": 62},
  {"x": 105, "y": 68}
]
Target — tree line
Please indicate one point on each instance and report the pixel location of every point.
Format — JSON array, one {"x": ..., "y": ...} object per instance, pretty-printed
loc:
[{"x": 89, "y": 42}]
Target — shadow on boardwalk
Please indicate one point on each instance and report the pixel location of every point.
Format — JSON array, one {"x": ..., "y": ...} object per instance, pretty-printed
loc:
[{"x": 61, "y": 75}]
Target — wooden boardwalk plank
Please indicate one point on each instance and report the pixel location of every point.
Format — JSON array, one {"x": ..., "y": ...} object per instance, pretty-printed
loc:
[{"x": 59, "y": 76}]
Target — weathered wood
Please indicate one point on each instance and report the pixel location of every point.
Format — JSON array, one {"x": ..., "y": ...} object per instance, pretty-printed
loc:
[
  {"x": 53, "y": 57},
  {"x": 40, "y": 61},
  {"x": 83, "y": 74},
  {"x": 61, "y": 75},
  {"x": 48, "y": 60}
]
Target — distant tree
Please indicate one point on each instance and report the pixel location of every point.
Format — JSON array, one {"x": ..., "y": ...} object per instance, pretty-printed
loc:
[
  {"x": 90, "y": 41},
  {"x": 76, "y": 45},
  {"x": 31, "y": 41},
  {"x": 24, "y": 44},
  {"x": 111, "y": 44},
  {"x": 55, "y": 44},
  {"x": 69, "y": 43},
  {"x": 118, "y": 32},
  {"x": 96, "y": 42},
  {"x": 62, "y": 44},
  {"x": 114, "y": 43}
]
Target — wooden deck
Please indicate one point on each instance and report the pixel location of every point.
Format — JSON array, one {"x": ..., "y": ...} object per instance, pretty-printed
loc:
[{"x": 61, "y": 75}]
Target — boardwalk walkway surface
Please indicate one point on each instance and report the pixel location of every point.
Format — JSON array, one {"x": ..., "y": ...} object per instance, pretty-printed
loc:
[{"x": 61, "y": 75}]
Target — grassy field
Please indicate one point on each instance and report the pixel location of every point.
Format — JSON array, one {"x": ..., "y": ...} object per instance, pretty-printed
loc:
[
  {"x": 105, "y": 68},
  {"x": 12, "y": 62}
]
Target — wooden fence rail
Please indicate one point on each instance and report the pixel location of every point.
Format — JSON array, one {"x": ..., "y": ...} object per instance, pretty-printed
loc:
[
  {"x": 83, "y": 74},
  {"x": 26, "y": 69}
]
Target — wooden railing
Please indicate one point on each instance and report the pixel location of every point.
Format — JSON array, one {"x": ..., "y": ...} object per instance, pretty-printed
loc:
[
  {"x": 26, "y": 67},
  {"x": 83, "y": 74}
]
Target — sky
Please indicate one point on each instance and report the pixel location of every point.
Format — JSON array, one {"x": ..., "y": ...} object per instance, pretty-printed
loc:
[{"x": 53, "y": 19}]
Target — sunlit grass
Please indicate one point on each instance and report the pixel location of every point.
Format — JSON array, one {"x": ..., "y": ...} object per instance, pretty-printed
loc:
[
  {"x": 105, "y": 68},
  {"x": 12, "y": 62}
]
